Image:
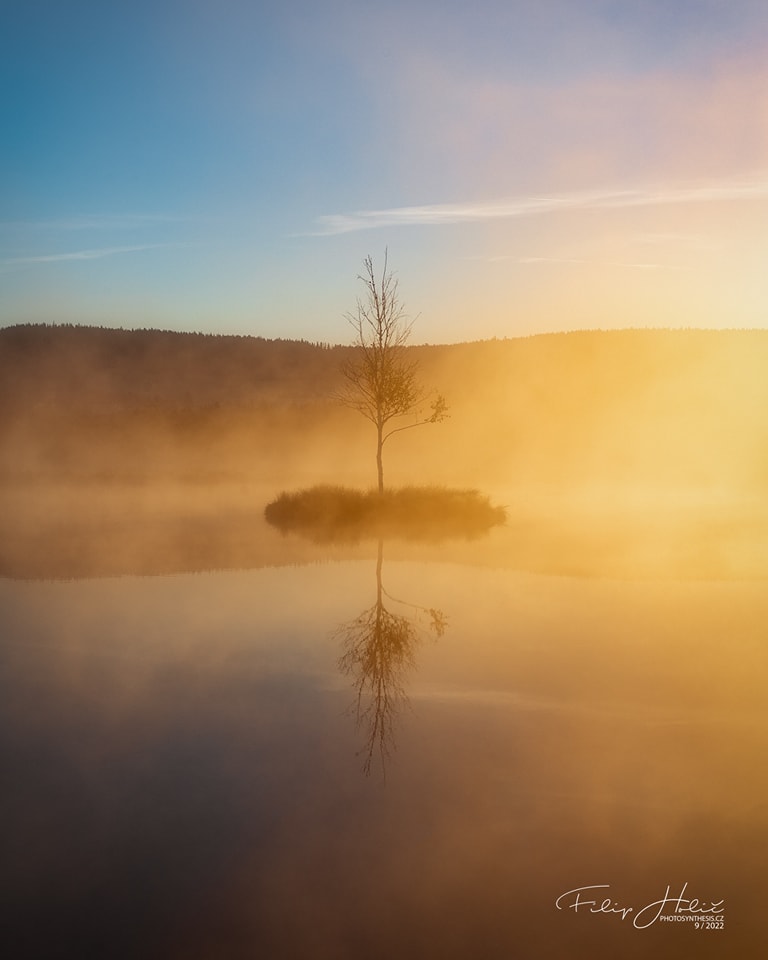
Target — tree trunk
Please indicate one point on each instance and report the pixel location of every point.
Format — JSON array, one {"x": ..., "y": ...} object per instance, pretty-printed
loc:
[{"x": 379, "y": 461}]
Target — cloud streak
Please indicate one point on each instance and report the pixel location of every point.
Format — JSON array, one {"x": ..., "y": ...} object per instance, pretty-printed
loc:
[
  {"x": 96, "y": 221},
  {"x": 445, "y": 214},
  {"x": 638, "y": 264},
  {"x": 95, "y": 254}
]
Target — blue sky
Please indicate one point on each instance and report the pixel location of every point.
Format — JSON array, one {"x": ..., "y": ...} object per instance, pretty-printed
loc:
[{"x": 530, "y": 166}]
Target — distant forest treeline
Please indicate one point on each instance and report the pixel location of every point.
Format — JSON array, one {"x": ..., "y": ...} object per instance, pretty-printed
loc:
[
  {"x": 682, "y": 408},
  {"x": 94, "y": 367}
]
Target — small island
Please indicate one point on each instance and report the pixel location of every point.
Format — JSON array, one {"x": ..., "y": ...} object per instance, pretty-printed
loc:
[
  {"x": 328, "y": 513},
  {"x": 381, "y": 382}
]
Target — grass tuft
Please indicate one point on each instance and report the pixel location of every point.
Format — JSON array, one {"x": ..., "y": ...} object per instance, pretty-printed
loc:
[{"x": 327, "y": 513}]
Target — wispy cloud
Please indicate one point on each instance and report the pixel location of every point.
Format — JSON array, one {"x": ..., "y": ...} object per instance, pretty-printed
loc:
[
  {"x": 92, "y": 221},
  {"x": 444, "y": 214},
  {"x": 692, "y": 241},
  {"x": 637, "y": 264},
  {"x": 95, "y": 254}
]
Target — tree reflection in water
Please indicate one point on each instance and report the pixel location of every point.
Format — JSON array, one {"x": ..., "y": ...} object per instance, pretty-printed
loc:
[{"x": 378, "y": 651}]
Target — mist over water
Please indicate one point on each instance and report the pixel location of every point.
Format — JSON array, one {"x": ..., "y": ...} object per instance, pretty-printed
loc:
[
  {"x": 189, "y": 767},
  {"x": 220, "y": 740}
]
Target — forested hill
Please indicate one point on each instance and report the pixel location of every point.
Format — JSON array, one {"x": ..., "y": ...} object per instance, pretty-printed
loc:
[
  {"x": 92, "y": 367},
  {"x": 634, "y": 407},
  {"x": 95, "y": 367}
]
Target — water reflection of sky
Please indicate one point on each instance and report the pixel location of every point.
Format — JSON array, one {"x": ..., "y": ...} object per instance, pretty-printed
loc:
[{"x": 184, "y": 777}]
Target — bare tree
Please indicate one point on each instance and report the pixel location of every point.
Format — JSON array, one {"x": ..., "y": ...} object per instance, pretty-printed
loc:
[{"x": 381, "y": 380}]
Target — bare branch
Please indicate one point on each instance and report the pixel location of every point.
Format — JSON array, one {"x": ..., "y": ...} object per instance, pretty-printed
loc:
[{"x": 381, "y": 382}]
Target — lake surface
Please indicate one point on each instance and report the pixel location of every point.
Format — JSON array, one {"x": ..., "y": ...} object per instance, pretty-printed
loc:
[{"x": 381, "y": 750}]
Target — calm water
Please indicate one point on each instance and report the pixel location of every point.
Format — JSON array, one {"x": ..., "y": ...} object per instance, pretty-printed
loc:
[{"x": 374, "y": 754}]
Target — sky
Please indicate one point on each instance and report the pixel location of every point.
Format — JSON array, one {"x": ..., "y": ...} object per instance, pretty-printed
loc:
[{"x": 530, "y": 166}]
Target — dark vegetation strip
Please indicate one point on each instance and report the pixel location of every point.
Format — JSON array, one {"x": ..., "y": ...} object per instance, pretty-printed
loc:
[{"x": 327, "y": 512}]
